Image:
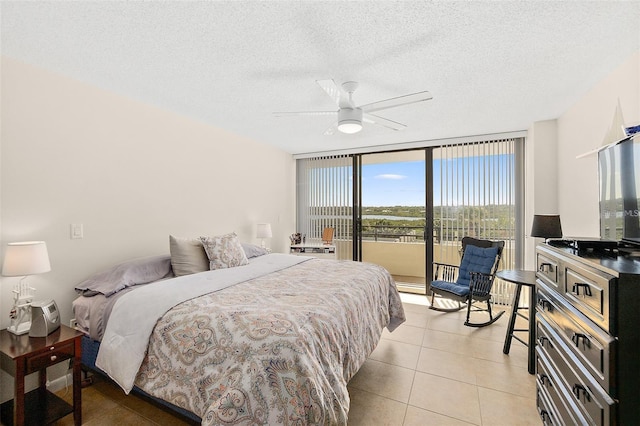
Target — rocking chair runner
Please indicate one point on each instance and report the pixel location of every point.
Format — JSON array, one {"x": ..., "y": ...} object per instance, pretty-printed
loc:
[{"x": 471, "y": 281}]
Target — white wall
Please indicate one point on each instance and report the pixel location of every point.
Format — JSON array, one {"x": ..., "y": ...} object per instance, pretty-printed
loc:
[
  {"x": 584, "y": 127},
  {"x": 541, "y": 190},
  {"x": 557, "y": 181},
  {"x": 130, "y": 173}
]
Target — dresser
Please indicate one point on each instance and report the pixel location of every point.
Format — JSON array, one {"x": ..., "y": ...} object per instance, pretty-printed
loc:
[{"x": 587, "y": 337}]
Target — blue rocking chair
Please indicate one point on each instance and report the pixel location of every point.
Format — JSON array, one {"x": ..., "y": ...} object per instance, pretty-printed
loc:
[{"x": 470, "y": 282}]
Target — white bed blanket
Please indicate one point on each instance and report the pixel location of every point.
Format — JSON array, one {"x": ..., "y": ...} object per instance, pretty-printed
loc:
[{"x": 134, "y": 315}]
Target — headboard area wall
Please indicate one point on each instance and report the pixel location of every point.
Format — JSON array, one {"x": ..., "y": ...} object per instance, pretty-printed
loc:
[{"x": 130, "y": 173}]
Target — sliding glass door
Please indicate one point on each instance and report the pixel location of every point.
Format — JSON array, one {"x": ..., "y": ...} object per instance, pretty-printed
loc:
[
  {"x": 393, "y": 215},
  {"x": 405, "y": 209}
]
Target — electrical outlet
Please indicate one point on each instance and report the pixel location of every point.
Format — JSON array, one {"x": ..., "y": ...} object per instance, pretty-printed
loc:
[{"x": 73, "y": 323}]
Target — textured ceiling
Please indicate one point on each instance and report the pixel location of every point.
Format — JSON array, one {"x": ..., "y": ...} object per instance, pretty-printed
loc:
[{"x": 491, "y": 67}]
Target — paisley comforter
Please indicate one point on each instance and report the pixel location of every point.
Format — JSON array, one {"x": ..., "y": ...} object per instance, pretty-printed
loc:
[{"x": 277, "y": 349}]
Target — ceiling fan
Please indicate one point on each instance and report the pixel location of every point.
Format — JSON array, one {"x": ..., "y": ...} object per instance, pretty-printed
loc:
[{"x": 350, "y": 116}]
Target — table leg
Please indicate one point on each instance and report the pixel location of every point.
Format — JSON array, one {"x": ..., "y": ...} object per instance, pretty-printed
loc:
[
  {"x": 77, "y": 387},
  {"x": 18, "y": 397},
  {"x": 512, "y": 319},
  {"x": 532, "y": 330}
]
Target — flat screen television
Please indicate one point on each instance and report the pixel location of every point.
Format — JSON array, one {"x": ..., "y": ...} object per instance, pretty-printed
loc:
[{"x": 619, "y": 176}]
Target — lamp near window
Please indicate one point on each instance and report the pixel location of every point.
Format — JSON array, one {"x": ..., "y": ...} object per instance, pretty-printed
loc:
[
  {"x": 20, "y": 260},
  {"x": 264, "y": 231},
  {"x": 546, "y": 226}
]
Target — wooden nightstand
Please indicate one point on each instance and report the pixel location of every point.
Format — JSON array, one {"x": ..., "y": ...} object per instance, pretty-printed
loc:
[{"x": 23, "y": 355}]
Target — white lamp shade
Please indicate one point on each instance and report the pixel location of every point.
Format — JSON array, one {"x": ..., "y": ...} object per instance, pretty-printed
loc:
[
  {"x": 26, "y": 258},
  {"x": 350, "y": 120},
  {"x": 350, "y": 127},
  {"x": 264, "y": 230}
]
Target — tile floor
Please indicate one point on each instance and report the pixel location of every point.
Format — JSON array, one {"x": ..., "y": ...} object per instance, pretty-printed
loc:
[{"x": 431, "y": 371}]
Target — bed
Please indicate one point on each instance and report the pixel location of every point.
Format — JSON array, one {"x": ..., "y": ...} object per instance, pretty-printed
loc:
[{"x": 272, "y": 341}]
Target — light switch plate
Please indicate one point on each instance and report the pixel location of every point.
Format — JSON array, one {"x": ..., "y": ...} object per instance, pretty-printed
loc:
[{"x": 76, "y": 231}]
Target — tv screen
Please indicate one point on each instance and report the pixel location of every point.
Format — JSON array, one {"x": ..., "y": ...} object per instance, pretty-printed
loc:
[{"x": 620, "y": 191}]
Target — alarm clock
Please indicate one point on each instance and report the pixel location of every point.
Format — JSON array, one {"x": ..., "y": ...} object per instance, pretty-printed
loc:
[{"x": 45, "y": 318}]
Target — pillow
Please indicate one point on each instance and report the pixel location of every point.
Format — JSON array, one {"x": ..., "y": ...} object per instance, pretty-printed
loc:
[
  {"x": 138, "y": 271},
  {"x": 187, "y": 256},
  {"x": 476, "y": 259},
  {"x": 252, "y": 250},
  {"x": 224, "y": 251}
]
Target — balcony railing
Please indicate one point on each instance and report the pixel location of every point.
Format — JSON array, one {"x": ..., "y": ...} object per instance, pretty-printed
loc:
[{"x": 401, "y": 250}]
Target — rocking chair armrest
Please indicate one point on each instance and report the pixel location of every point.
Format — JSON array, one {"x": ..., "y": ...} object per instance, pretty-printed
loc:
[
  {"x": 480, "y": 283},
  {"x": 445, "y": 271},
  {"x": 446, "y": 264}
]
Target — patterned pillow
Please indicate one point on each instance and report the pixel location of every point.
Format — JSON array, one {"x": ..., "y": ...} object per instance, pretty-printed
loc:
[{"x": 224, "y": 251}]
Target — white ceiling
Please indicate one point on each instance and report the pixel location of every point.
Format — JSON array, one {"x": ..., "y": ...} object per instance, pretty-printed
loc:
[{"x": 491, "y": 67}]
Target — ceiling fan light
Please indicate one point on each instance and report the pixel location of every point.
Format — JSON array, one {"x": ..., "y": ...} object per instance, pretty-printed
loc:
[
  {"x": 350, "y": 120},
  {"x": 350, "y": 126}
]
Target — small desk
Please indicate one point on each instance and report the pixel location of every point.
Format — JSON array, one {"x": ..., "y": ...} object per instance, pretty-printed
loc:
[
  {"x": 327, "y": 251},
  {"x": 522, "y": 278},
  {"x": 23, "y": 355}
]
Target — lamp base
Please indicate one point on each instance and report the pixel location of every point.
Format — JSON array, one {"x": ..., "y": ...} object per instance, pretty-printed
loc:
[{"x": 19, "y": 329}]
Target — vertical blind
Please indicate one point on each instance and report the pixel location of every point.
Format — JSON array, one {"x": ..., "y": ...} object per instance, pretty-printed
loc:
[
  {"x": 475, "y": 192},
  {"x": 325, "y": 200},
  {"x": 477, "y": 197}
]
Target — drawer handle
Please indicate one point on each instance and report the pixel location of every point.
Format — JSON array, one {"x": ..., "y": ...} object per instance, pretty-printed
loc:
[
  {"x": 578, "y": 389},
  {"x": 53, "y": 357},
  {"x": 586, "y": 343},
  {"x": 586, "y": 289},
  {"x": 542, "y": 341},
  {"x": 544, "y": 304},
  {"x": 545, "y": 267},
  {"x": 544, "y": 379},
  {"x": 546, "y": 417}
]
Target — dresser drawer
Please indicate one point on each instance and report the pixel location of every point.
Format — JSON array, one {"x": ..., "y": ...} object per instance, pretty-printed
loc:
[
  {"x": 594, "y": 348},
  {"x": 547, "y": 268},
  {"x": 558, "y": 402},
  {"x": 590, "y": 292},
  {"x": 593, "y": 402},
  {"x": 546, "y": 410},
  {"x": 54, "y": 355}
]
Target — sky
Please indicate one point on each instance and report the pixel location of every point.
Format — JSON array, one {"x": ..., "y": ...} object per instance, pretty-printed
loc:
[
  {"x": 393, "y": 184},
  {"x": 403, "y": 183}
]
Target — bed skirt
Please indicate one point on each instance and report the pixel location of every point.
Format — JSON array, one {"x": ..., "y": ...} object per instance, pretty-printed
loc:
[{"x": 90, "y": 353}]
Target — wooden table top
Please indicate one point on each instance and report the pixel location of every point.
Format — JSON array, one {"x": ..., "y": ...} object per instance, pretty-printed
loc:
[
  {"x": 518, "y": 276},
  {"x": 16, "y": 346}
]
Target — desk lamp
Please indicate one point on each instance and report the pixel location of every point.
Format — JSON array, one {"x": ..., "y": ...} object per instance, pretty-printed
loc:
[
  {"x": 546, "y": 226},
  {"x": 20, "y": 260},
  {"x": 264, "y": 231}
]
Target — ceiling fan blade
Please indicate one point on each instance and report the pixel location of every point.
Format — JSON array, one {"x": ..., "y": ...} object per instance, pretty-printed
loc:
[
  {"x": 331, "y": 130},
  {"x": 395, "y": 102},
  {"x": 299, "y": 113},
  {"x": 380, "y": 121},
  {"x": 337, "y": 93}
]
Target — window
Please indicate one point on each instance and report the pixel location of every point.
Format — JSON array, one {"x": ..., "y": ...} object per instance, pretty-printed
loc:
[{"x": 474, "y": 189}]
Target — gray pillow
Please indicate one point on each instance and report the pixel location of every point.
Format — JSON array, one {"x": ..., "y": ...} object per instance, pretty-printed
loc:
[
  {"x": 137, "y": 271},
  {"x": 252, "y": 250},
  {"x": 187, "y": 256}
]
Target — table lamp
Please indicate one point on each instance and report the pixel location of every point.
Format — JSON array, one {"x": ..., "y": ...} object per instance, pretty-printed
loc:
[
  {"x": 20, "y": 260},
  {"x": 264, "y": 231},
  {"x": 546, "y": 226}
]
